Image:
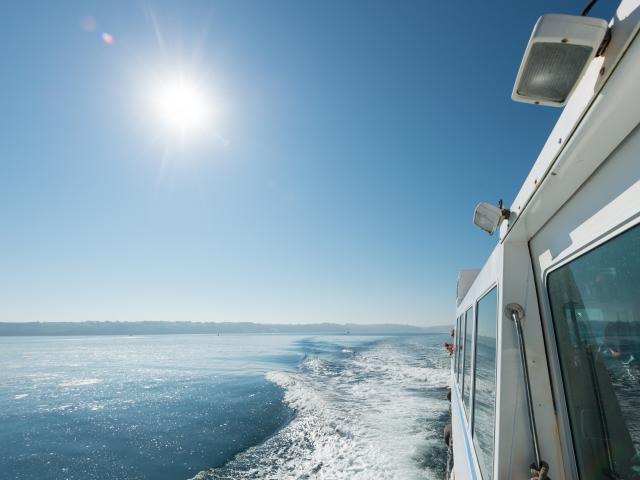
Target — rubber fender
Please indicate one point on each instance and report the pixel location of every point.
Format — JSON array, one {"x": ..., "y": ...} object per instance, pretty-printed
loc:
[{"x": 447, "y": 434}]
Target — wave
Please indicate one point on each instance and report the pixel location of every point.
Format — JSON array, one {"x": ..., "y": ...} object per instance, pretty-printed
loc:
[
  {"x": 374, "y": 412},
  {"x": 79, "y": 382}
]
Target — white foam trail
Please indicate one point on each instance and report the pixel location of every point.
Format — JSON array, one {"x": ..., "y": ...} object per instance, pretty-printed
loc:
[
  {"x": 370, "y": 415},
  {"x": 79, "y": 382}
]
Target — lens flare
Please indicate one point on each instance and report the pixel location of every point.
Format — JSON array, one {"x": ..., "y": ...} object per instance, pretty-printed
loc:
[
  {"x": 107, "y": 38},
  {"x": 88, "y": 24}
]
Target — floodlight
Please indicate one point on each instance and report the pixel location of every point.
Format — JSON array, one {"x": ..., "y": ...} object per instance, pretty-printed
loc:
[
  {"x": 488, "y": 217},
  {"x": 560, "y": 49}
]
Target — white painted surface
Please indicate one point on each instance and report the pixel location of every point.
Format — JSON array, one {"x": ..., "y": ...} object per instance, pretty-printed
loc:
[
  {"x": 583, "y": 189},
  {"x": 602, "y": 105}
]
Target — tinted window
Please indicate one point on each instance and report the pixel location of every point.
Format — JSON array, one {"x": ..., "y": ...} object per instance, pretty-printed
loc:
[
  {"x": 455, "y": 350},
  {"x": 484, "y": 400},
  {"x": 595, "y": 302},
  {"x": 460, "y": 349},
  {"x": 466, "y": 382}
]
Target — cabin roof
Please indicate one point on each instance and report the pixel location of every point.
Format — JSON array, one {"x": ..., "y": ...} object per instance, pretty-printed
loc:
[
  {"x": 594, "y": 122},
  {"x": 624, "y": 27}
]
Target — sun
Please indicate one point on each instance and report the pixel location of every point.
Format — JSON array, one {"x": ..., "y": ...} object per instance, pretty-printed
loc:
[{"x": 181, "y": 105}]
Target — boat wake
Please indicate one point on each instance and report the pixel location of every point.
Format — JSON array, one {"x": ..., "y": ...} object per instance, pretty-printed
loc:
[{"x": 372, "y": 412}]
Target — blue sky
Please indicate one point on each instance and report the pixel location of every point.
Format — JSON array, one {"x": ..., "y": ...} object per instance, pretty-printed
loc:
[{"x": 351, "y": 143}]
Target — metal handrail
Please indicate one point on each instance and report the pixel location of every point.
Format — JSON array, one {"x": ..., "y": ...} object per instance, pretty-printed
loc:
[{"x": 516, "y": 313}]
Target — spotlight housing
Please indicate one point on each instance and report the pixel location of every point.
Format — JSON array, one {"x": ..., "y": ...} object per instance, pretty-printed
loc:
[
  {"x": 559, "y": 51},
  {"x": 488, "y": 217}
]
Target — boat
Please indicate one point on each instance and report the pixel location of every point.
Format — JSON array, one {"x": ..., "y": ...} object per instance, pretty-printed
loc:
[{"x": 545, "y": 370}]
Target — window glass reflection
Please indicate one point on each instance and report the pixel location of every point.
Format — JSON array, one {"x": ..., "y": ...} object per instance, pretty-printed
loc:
[
  {"x": 595, "y": 303},
  {"x": 460, "y": 350},
  {"x": 466, "y": 382},
  {"x": 455, "y": 343},
  {"x": 484, "y": 401}
]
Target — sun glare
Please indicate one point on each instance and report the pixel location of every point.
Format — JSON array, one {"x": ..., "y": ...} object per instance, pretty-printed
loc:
[{"x": 181, "y": 105}]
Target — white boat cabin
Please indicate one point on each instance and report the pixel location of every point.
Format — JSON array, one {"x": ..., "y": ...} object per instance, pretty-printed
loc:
[{"x": 569, "y": 255}]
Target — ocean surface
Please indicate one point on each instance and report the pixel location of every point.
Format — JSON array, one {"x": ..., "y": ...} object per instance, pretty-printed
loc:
[{"x": 223, "y": 407}]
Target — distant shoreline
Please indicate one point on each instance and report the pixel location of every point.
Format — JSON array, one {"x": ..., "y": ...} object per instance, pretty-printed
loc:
[{"x": 20, "y": 329}]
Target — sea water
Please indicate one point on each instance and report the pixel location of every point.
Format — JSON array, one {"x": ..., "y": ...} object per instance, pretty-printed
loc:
[{"x": 223, "y": 407}]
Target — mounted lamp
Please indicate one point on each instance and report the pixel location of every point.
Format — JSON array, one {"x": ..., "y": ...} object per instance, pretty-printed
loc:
[
  {"x": 559, "y": 51},
  {"x": 488, "y": 217}
]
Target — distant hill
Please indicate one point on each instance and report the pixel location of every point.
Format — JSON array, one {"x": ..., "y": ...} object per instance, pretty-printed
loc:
[{"x": 160, "y": 328}]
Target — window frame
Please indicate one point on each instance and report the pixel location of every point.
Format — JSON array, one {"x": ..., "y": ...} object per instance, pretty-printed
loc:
[
  {"x": 460, "y": 354},
  {"x": 487, "y": 292},
  {"x": 551, "y": 340},
  {"x": 469, "y": 413},
  {"x": 455, "y": 347}
]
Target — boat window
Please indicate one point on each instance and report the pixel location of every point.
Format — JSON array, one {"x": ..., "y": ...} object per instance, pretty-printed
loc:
[
  {"x": 484, "y": 399},
  {"x": 459, "y": 343},
  {"x": 466, "y": 381},
  {"x": 460, "y": 350},
  {"x": 595, "y": 303},
  {"x": 455, "y": 343}
]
